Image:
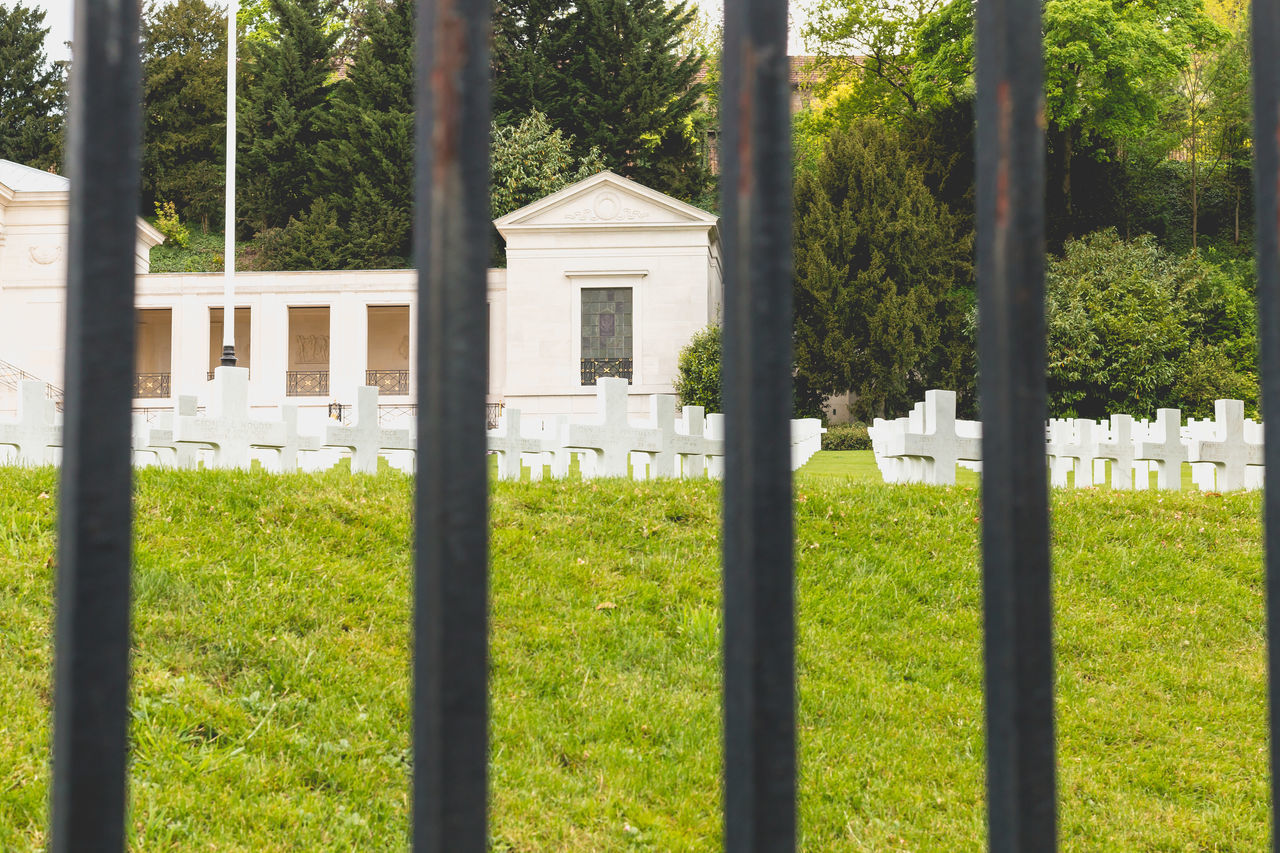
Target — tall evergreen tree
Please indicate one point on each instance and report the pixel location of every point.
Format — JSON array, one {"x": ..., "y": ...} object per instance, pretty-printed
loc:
[
  {"x": 184, "y": 73},
  {"x": 32, "y": 91},
  {"x": 365, "y": 166},
  {"x": 615, "y": 74},
  {"x": 882, "y": 279},
  {"x": 283, "y": 114}
]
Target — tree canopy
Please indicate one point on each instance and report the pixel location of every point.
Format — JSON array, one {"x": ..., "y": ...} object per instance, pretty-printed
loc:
[
  {"x": 882, "y": 274},
  {"x": 32, "y": 91}
]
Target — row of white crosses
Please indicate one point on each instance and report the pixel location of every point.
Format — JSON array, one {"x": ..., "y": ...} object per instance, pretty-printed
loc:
[
  {"x": 610, "y": 445},
  {"x": 227, "y": 437},
  {"x": 689, "y": 447},
  {"x": 1225, "y": 453}
]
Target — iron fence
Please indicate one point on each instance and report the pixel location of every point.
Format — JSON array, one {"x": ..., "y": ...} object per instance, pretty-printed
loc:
[{"x": 452, "y": 229}]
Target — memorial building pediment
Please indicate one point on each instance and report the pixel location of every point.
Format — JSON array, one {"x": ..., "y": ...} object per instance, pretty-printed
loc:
[{"x": 605, "y": 200}]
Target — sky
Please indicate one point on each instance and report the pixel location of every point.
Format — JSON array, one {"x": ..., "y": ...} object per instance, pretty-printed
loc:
[{"x": 58, "y": 19}]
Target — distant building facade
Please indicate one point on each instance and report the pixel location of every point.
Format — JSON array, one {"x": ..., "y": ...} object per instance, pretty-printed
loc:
[{"x": 604, "y": 278}]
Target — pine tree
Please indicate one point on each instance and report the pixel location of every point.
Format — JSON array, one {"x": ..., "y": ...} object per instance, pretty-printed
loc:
[
  {"x": 32, "y": 91},
  {"x": 184, "y": 74},
  {"x": 613, "y": 73},
  {"x": 882, "y": 279},
  {"x": 283, "y": 116},
  {"x": 365, "y": 166}
]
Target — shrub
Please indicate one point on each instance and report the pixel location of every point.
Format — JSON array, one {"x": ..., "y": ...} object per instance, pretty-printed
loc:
[
  {"x": 168, "y": 224},
  {"x": 846, "y": 437},
  {"x": 698, "y": 370},
  {"x": 1132, "y": 328}
]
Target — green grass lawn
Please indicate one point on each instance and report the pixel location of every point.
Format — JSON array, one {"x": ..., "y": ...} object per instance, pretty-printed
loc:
[{"x": 271, "y": 665}]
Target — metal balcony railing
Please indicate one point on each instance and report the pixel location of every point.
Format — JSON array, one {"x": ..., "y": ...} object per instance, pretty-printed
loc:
[
  {"x": 306, "y": 383},
  {"x": 388, "y": 381},
  {"x": 594, "y": 368},
  {"x": 151, "y": 385}
]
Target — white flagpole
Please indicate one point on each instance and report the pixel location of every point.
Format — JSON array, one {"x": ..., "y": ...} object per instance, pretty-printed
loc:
[{"x": 229, "y": 244}]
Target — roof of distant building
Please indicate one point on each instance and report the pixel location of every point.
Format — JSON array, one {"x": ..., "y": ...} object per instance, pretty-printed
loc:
[{"x": 24, "y": 179}]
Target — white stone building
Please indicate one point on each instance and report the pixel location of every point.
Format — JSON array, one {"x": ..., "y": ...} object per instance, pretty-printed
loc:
[{"x": 605, "y": 277}]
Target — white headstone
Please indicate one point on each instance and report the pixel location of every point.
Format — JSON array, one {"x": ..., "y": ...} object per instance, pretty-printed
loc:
[
  {"x": 228, "y": 429},
  {"x": 1164, "y": 446},
  {"x": 1228, "y": 450},
  {"x": 1117, "y": 446},
  {"x": 509, "y": 442},
  {"x": 715, "y": 456},
  {"x": 692, "y": 444},
  {"x": 366, "y": 438},
  {"x": 935, "y": 440},
  {"x": 611, "y": 439},
  {"x": 34, "y": 434}
]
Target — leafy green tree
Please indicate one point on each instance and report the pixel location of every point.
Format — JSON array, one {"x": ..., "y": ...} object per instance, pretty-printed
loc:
[
  {"x": 883, "y": 35},
  {"x": 1132, "y": 328},
  {"x": 531, "y": 160},
  {"x": 698, "y": 370},
  {"x": 32, "y": 91},
  {"x": 528, "y": 161},
  {"x": 283, "y": 114},
  {"x": 184, "y": 71},
  {"x": 883, "y": 279}
]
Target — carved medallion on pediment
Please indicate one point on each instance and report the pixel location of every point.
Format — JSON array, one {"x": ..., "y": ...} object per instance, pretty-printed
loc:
[
  {"x": 44, "y": 255},
  {"x": 607, "y": 208}
]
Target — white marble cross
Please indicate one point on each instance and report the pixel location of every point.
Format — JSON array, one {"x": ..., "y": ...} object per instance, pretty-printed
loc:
[
  {"x": 665, "y": 461},
  {"x": 1228, "y": 450},
  {"x": 160, "y": 438},
  {"x": 294, "y": 441},
  {"x": 692, "y": 444},
  {"x": 509, "y": 442},
  {"x": 366, "y": 438},
  {"x": 1163, "y": 446},
  {"x": 713, "y": 429},
  {"x": 611, "y": 439},
  {"x": 34, "y": 434},
  {"x": 937, "y": 441},
  {"x": 1082, "y": 447},
  {"x": 228, "y": 429},
  {"x": 1118, "y": 447}
]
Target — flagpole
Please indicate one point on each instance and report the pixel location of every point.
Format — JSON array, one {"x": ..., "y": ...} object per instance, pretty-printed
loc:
[{"x": 229, "y": 237}]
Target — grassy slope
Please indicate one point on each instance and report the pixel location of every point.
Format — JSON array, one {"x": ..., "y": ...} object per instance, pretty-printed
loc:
[{"x": 271, "y": 665}]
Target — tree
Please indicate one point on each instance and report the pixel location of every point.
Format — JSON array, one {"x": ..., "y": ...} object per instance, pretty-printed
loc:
[
  {"x": 528, "y": 161},
  {"x": 1132, "y": 328},
  {"x": 32, "y": 91},
  {"x": 882, "y": 282},
  {"x": 184, "y": 78},
  {"x": 613, "y": 73},
  {"x": 868, "y": 43},
  {"x": 283, "y": 116},
  {"x": 365, "y": 165}
]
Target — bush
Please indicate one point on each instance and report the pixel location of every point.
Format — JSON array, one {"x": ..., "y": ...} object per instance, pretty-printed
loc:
[
  {"x": 698, "y": 370},
  {"x": 846, "y": 437},
  {"x": 1132, "y": 328},
  {"x": 168, "y": 224}
]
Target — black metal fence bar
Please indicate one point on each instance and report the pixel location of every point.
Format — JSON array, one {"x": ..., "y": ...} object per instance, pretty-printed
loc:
[
  {"x": 1266, "y": 174},
  {"x": 1021, "y": 796},
  {"x": 451, "y": 241},
  {"x": 759, "y": 665},
  {"x": 91, "y": 645}
]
